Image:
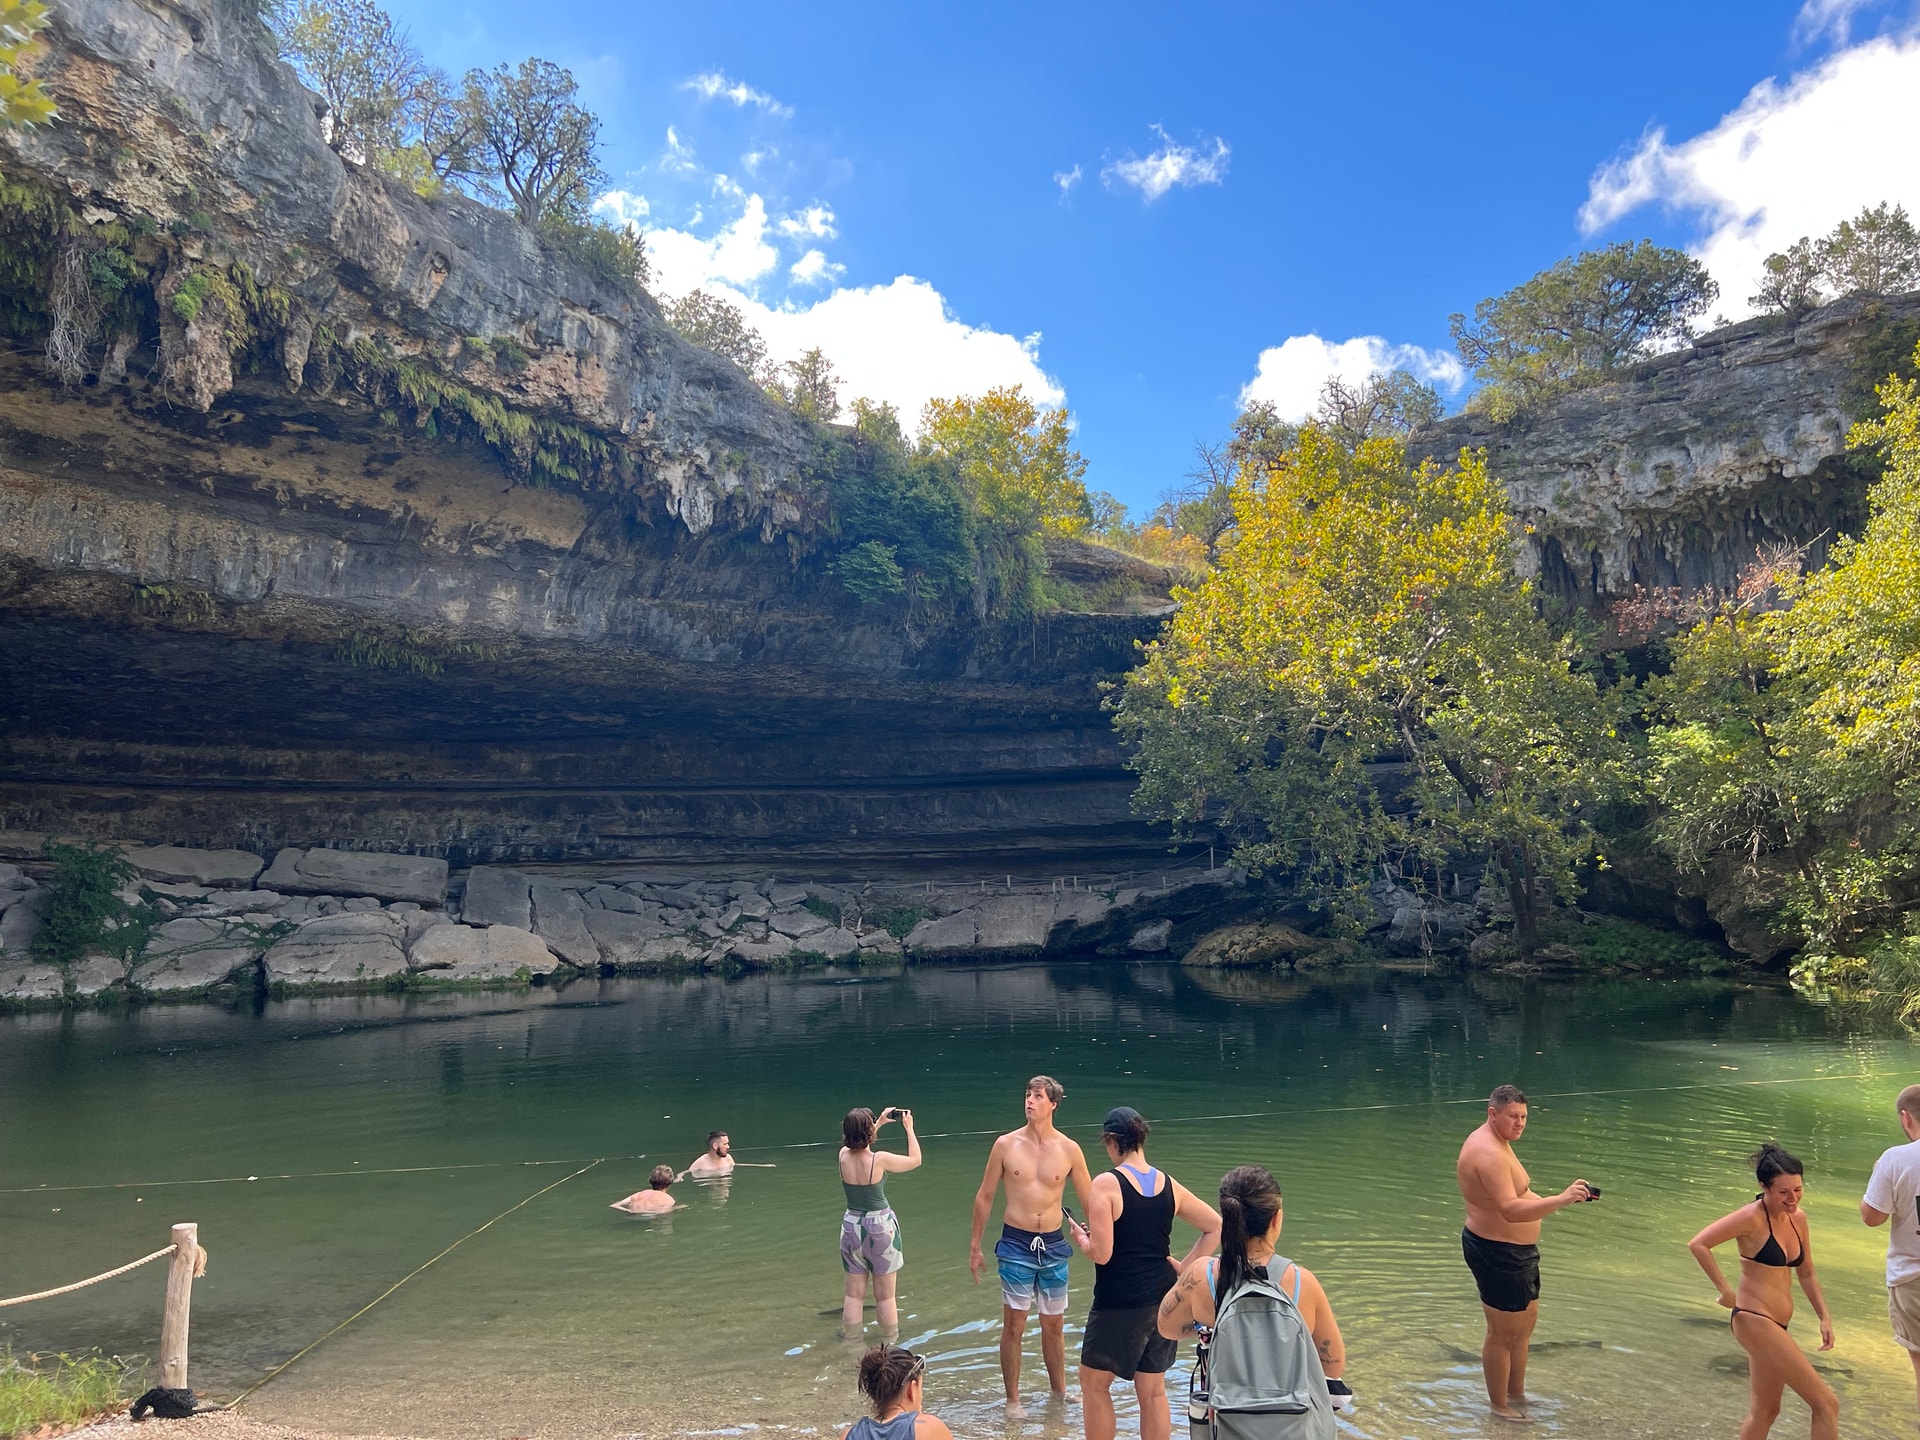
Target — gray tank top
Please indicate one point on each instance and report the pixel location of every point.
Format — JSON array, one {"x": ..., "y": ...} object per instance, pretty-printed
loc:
[{"x": 900, "y": 1427}]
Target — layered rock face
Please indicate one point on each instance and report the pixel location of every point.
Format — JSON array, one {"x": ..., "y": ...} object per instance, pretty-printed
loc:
[{"x": 1679, "y": 472}]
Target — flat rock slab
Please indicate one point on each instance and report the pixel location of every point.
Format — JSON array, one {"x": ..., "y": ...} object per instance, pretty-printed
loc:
[
  {"x": 21, "y": 980},
  {"x": 421, "y": 878},
  {"x": 797, "y": 924},
  {"x": 340, "y": 950},
  {"x": 216, "y": 869},
  {"x": 193, "y": 953},
  {"x": 95, "y": 973},
  {"x": 497, "y": 896},
  {"x": 560, "y": 919},
  {"x": 948, "y": 935},
  {"x": 621, "y": 937},
  {"x": 832, "y": 942},
  {"x": 499, "y": 952}
]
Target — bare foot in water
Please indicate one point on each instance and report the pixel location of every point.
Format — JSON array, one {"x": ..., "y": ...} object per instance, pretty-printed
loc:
[
  {"x": 1015, "y": 1410},
  {"x": 1067, "y": 1397},
  {"x": 1512, "y": 1417}
]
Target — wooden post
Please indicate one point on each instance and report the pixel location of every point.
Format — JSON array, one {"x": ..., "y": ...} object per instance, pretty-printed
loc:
[{"x": 173, "y": 1322}]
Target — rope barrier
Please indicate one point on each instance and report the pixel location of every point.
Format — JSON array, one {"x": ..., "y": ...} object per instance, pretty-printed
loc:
[
  {"x": 277, "y": 1370},
  {"x": 301, "y": 1175},
  {"x": 96, "y": 1279}
]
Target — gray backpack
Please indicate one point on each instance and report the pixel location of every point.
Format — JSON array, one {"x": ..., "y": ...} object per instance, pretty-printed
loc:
[{"x": 1259, "y": 1375}]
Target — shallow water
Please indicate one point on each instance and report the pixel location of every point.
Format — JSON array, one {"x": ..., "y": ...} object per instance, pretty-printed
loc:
[{"x": 565, "y": 1317}]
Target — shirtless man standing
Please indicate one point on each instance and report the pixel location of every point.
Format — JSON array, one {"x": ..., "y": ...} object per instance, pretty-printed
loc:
[
  {"x": 1035, "y": 1161},
  {"x": 1500, "y": 1242},
  {"x": 716, "y": 1162}
]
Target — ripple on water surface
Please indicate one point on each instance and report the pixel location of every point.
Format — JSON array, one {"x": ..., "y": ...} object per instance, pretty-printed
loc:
[{"x": 566, "y": 1317}]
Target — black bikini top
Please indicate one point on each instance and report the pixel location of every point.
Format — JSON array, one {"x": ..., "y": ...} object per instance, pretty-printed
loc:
[{"x": 1771, "y": 1254}]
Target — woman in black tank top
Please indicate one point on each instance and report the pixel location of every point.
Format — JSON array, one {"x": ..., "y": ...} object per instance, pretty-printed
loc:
[{"x": 1130, "y": 1234}]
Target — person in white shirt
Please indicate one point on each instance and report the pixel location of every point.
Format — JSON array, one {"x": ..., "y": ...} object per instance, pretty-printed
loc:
[{"x": 1894, "y": 1194}]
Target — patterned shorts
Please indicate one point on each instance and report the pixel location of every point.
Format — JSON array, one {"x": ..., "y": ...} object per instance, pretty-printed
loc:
[{"x": 870, "y": 1242}]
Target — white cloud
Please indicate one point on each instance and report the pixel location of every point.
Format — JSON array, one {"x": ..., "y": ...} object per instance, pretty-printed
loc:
[
  {"x": 715, "y": 86},
  {"x": 622, "y": 207},
  {"x": 813, "y": 268},
  {"x": 813, "y": 223},
  {"x": 739, "y": 255},
  {"x": 1066, "y": 180},
  {"x": 678, "y": 155},
  {"x": 753, "y": 159},
  {"x": 1290, "y": 375},
  {"x": 1818, "y": 18},
  {"x": 1172, "y": 164},
  {"x": 1791, "y": 160}
]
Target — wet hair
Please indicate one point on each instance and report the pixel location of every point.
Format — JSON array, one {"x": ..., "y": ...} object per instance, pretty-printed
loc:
[
  {"x": 1505, "y": 1095},
  {"x": 713, "y": 1135},
  {"x": 1126, "y": 1127},
  {"x": 1909, "y": 1101},
  {"x": 661, "y": 1177},
  {"x": 1249, "y": 1199},
  {"x": 857, "y": 1129},
  {"x": 1770, "y": 1162},
  {"x": 1047, "y": 1086},
  {"x": 885, "y": 1373}
]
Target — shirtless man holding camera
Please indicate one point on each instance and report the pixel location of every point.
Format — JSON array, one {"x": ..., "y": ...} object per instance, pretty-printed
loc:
[
  {"x": 1501, "y": 1244},
  {"x": 1035, "y": 1163}
]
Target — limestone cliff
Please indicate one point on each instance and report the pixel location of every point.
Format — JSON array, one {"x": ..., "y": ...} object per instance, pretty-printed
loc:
[{"x": 1677, "y": 472}]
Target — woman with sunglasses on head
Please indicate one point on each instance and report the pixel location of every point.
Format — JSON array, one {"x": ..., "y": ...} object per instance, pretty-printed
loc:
[
  {"x": 893, "y": 1380},
  {"x": 1775, "y": 1244}
]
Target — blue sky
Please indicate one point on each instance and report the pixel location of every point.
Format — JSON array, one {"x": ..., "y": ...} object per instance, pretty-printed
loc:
[{"x": 1247, "y": 174}]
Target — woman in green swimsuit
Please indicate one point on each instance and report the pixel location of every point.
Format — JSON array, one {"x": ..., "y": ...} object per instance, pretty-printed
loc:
[{"x": 869, "y": 1230}]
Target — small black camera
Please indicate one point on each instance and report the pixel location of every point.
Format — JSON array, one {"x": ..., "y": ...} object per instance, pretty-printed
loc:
[
  {"x": 892, "y": 1112},
  {"x": 1593, "y": 1192}
]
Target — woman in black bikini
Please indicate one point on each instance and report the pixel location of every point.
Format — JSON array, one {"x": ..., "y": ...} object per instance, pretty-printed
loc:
[{"x": 1771, "y": 1235}]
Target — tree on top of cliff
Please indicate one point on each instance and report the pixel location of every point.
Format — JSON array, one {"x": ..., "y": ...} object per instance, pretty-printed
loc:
[
  {"x": 1581, "y": 321},
  {"x": 1369, "y": 610},
  {"x": 377, "y": 87},
  {"x": 1875, "y": 253},
  {"x": 531, "y": 144},
  {"x": 808, "y": 387},
  {"x": 706, "y": 320},
  {"x": 22, "y": 101}
]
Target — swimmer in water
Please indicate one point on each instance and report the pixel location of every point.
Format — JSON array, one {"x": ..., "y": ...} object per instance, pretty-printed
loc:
[
  {"x": 654, "y": 1200},
  {"x": 1774, "y": 1243},
  {"x": 715, "y": 1163}
]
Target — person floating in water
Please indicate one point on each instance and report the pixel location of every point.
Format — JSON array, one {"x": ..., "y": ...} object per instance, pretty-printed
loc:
[
  {"x": 654, "y": 1200},
  {"x": 869, "y": 1230},
  {"x": 715, "y": 1163},
  {"x": 1130, "y": 1232},
  {"x": 1501, "y": 1244},
  {"x": 893, "y": 1381},
  {"x": 1774, "y": 1243},
  {"x": 1036, "y": 1162},
  {"x": 1894, "y": 1194}
]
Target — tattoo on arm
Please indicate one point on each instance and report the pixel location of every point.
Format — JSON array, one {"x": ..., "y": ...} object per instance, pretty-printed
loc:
[{"x": 1326, "y": 1352}]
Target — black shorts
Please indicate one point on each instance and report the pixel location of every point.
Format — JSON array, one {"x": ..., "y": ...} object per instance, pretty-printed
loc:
[
  {"x": 1127, "y": 1342},
  {"x": 1508, "y": 1275}
]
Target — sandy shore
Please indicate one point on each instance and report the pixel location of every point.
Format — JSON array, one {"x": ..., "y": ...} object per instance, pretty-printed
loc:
[{"x": 212, "y": 1425}]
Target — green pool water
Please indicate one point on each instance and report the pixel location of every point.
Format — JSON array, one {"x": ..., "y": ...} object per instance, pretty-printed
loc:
[{"x": 567, "y": 1318}]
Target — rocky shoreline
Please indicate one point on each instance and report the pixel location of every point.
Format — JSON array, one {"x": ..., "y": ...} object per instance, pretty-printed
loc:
[{"x": 314, "y": 920}]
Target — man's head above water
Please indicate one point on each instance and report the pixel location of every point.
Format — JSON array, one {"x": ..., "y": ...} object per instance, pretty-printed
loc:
[{"x": 718, "y": 1144}]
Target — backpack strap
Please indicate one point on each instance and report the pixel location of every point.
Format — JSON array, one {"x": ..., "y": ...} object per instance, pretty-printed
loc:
[{"x": 1283, "y": 1263}]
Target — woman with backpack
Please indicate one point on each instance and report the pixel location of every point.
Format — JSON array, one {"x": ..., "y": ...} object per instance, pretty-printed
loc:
[
  {"x": 1271, "y": 1357},
  {"x": 892, "y": 1380}
]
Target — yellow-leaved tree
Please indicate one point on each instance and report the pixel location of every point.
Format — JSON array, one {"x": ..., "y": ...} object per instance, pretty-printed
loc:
[
  {"x": 22, "y": 101},
  {"x": 1365, "y": 623}
]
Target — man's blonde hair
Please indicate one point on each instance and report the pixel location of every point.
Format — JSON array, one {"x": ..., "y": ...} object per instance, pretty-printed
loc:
[
  {"x": 1047, "y": 1086},
  {"x": 1909, "y": 1101}
]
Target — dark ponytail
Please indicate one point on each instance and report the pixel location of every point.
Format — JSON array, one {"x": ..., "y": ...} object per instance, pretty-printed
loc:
[
  {"x": 885, "y": 1373},
  {"x": 1249, "y": 1199},
  {"x": 1770, "y": 1162}
]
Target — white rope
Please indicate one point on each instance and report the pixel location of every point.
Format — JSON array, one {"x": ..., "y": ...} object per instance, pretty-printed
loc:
[{"x": 94, "y": 1280}]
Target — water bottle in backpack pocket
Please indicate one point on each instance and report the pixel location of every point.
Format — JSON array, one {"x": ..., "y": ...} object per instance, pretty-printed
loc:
[{"x": 1259, "y": 1375}]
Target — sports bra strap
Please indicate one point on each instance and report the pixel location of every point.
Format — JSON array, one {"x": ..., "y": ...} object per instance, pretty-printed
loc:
[{"x": 1212, "y": 1261}]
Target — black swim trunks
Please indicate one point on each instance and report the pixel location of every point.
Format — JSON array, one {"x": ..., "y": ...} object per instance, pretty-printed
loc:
[
  {"x": 1508, "y": 1275},
  {"x": 1127, "y": 1342}
]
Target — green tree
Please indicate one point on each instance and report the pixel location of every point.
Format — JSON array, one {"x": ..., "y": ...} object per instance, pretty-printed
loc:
[
  {"x": 1367, "y": 610},
  {"x": 1875, "y": 253},
  {"x": 1792, "y": 735},
  {"x": 1580, "y": 321},
  {"x": 366, "y": 69},
  {"x": 1388, "y": 406},
  {"x": 808, "y": 387},
  {"x": 704, "y": 319},
  {"x": 527, "y": 142},
  {"x": 22, "y": 101},
  {"x": 1791, "y": 280}
]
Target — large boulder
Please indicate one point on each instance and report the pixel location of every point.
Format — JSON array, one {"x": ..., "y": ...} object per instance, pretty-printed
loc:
[
  {"x": 94, "y": 973},
  {"x": 1014, "y": 924},
  {"x": 797, "y": 924},
  {"x": 349, "y": 949},
  {"x": 499, "y": 952},
  {"x": 622, "y": 937},
  {"x": 832, "y": 942},
  {"x": 1243, "y": 946},
  {"x": 420, "y": 878},
  {"x": 194, "y": 954},
  {"x": 560, "y": 919},
  {"x": 946, "y": 935},
  {"x": 22, "y": 979},
  {"x": 216, "y": 869},
  {"x": 1744, "y": 900},
  {"x": 21, "y": 923},
  {"x": 496, "y": 895}
]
